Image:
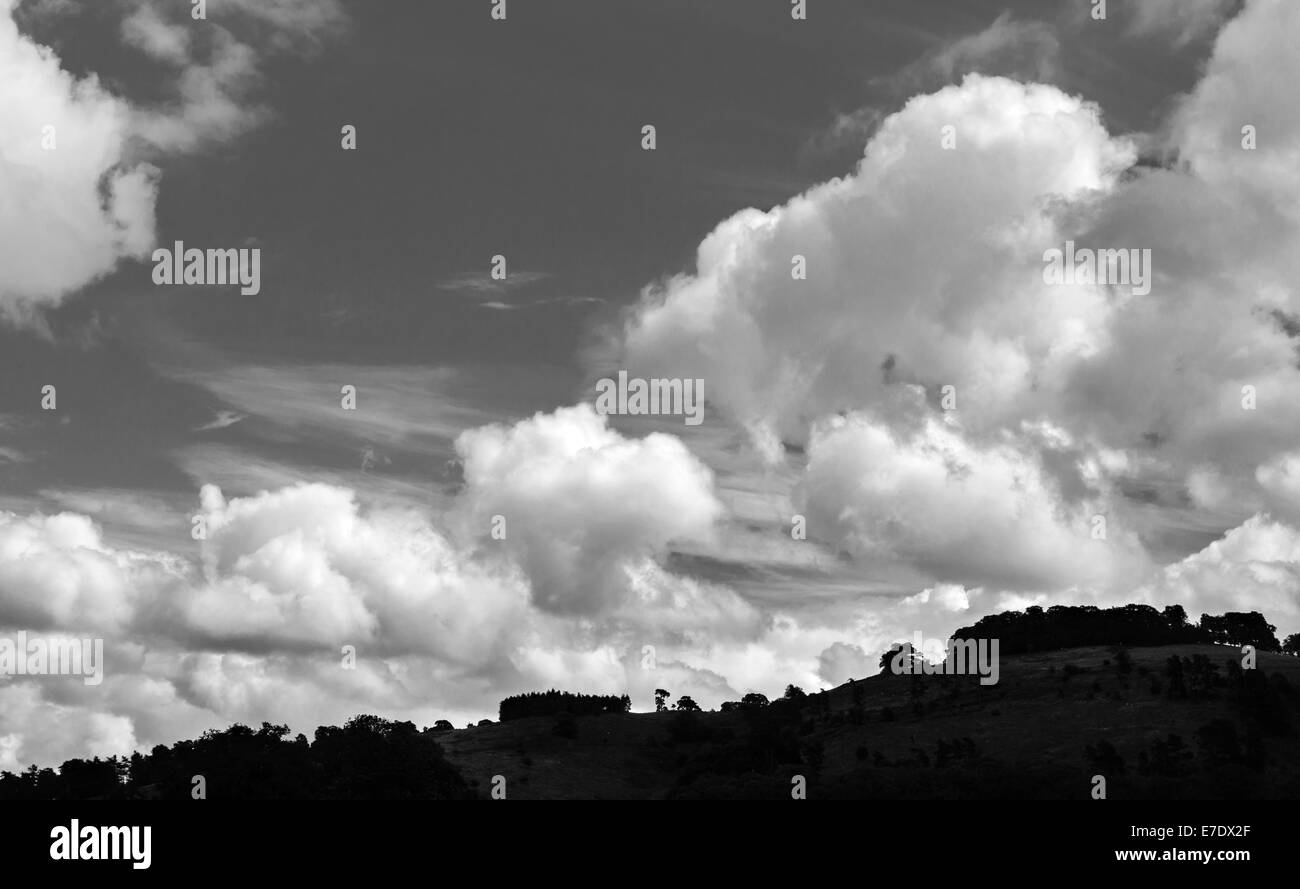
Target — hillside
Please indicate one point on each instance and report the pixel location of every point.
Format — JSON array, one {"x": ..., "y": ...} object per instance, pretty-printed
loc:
[{"x": 937, "y": 737}]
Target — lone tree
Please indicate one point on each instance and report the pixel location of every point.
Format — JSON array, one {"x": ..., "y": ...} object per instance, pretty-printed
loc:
[
  {"x": 661, "y": 700},
  {"x": 688, "y": 705},
  {"x": 1292, "y": 644}
]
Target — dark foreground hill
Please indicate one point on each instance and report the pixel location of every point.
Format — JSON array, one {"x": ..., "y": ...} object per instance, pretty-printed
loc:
[{"x": 1175, "y": 721}]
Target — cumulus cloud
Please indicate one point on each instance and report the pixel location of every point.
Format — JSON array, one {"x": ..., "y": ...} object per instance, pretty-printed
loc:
[
  {"x": 960, "y": 514},
  {"x": 582, "y": 505},
  {"x": 923, "y": 266},
  {"x": 924, "y": 270},
  {"x": 75, "y": 202},
  {"x": 304, "y": 568},
  {"x": 1254, "y": 567},
  {"x": 78, "y": 169},
  {"x": 33, "y": 729},
  {"x": 57, "y": 572},
  {"x": 842, "y": 661}
]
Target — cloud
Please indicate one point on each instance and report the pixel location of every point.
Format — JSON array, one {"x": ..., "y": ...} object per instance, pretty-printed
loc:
[
  {"x": 218, "y": 62},
  {"x": 74, "y": 210},
  {"x": 841, "y": 662},
  {"x": 80, "y": 188},
  {"x": 1254, "y": 567},
  {"x": 56, "y": 572},
  {"x": 1024, "y": 49},
  {"x": 304, "y": 568},
  {"x": 924, "y": 261},
  {"x": 924, "y": 271},
  {"x": 958, "y": 513},
  {"x": 1181, "y": 21},
  {"x": 480, "y": 284},
  {"x": 33, "y": 729},
  {"x": 583, "y": 505},
  {"x": 221, "y": 421}
]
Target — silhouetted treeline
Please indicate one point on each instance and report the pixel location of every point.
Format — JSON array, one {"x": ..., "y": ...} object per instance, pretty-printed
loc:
[
  {"x": 1065, "y": 626},
  {"x": 552, "y": 703},
  {"x": 368, "y": 758}
]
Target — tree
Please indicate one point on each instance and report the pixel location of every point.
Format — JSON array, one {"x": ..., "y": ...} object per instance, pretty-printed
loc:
[
  {"x": 753, "y": 701},
  {"x": 443, "y": 725},
  {"x": 1175, "y": 616},
  {"x": 661, "y": 700},
  {"x": 688, "y": 705},
  {"x": 1292, "y": 644},
  {"x": 795, "y": 693},
  {"x": 1241, "y": 628},
  {"x": 908, "y": 661}
]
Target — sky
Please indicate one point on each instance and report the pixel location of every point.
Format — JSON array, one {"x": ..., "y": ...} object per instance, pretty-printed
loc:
[{"x": 198, "y": 496}]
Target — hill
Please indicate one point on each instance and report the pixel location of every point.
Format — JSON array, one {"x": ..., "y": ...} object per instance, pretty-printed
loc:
[{"x": 1201, "y": 728}]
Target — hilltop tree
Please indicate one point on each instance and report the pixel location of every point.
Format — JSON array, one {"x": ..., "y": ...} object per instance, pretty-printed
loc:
[
  {"x": 906, "y": 657},
  {"x": 685, "y": 703},
  {"x": 1175, "y": 616},
  {"x": 551, "y": 703},
  {"x": 661, "y": 700},
  {"x": 1241, "y": 628}
]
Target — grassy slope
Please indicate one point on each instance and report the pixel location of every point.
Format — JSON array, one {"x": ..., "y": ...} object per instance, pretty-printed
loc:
[{"x": 1030, "y": 731}]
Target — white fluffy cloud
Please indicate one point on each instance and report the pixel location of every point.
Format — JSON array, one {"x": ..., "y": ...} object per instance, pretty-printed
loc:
[
  {"x": 70, "y": 212},
  {"x": 304, "y": 568},
  {"x": 924, "y": 270},
  {"x": 582, "y": 504},
  {"x": 73, "y": 211},
  {"x": 923, "y": 266},
  {"x": 957, "y": 513},
  {"x": 1254, "y": 567},
  {"x": 57, "y": 572},
  {"x": 33, "y": 729}
]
